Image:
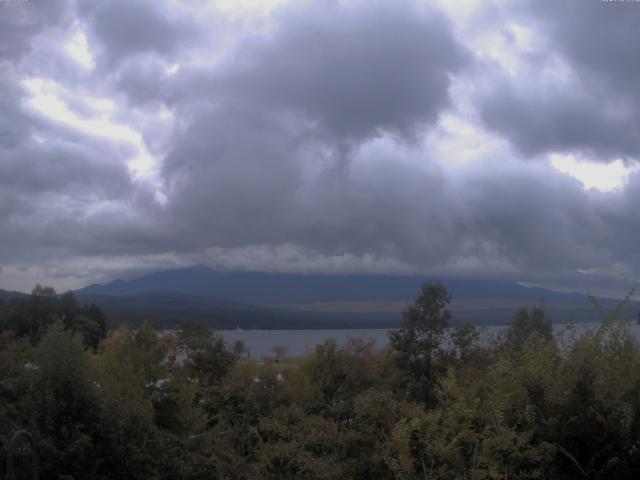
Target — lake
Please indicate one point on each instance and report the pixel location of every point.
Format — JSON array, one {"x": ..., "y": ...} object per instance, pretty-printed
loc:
[{"x": 298, "y": 342}]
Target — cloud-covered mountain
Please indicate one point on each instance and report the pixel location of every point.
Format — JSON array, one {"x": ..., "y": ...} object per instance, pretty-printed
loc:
[
  {"x": 311, "y": 301},
  {"x": 263, "y": 288}
]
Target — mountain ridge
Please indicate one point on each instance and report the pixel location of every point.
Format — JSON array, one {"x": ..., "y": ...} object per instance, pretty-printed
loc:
[
  {"x": 11, "y": 294},
  {"x": 281, "y": 288},
  {"x": 274, "y": 300}
]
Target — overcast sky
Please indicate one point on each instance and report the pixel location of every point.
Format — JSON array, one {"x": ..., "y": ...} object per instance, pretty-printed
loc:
[{"x": 487, "y": 139}]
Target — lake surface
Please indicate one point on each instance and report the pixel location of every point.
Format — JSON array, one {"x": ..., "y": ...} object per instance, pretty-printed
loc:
[{"x": 297, "y": 342}]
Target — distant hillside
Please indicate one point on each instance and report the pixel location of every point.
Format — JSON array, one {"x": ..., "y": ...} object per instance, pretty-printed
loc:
[
  {"x": 269, "y": 300},
  {"x": 263, "y": 288},
  {"x": 8, "y": 295}
]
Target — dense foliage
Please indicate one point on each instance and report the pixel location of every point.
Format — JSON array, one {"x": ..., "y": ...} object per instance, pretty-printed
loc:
[{"x": 437, "y": 403}]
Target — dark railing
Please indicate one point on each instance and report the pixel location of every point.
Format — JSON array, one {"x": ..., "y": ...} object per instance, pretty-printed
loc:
[{"x": 35, "y": 461}]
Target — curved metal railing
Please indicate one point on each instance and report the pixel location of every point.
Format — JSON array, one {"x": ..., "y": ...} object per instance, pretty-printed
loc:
[{"x": 35, "y": 461}]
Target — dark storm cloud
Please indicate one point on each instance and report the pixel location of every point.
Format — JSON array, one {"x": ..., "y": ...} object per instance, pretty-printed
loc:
[
  {"x": 144, "y": 80},
  {"x": 622, "y": 216},
  {"x": 52, "y": 192},
  {"x": 351, "y": 71},
  {"x": 548, "y": 120},
  {"x": 237, "y": 176},
  {"x": 232, "y": 173},
  {"x": 14, "y": 124},
  {"x": 54, "y": 178},
  {"x": 124, "y": 29},
  {"x": 309, "y": 139},
  {"x": 61, "y": 166},
  {"x": 535, "y": 218},
  {"x": 21, "y": 25},
  {"x": 21, "y": 21},
  {"x": 598, "y": 110},
  {"x": 599, "y": 37},
  {"x": 354, "y": 70},
  {"x": 261, "y": 159}
]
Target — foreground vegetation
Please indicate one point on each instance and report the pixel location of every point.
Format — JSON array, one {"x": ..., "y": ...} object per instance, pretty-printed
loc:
[{"x": 121, "y": 404}]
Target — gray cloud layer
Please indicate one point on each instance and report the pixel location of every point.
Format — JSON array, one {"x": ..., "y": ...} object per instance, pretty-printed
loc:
[
  {"x": 598, "y": 110},
  {"x": 127, "y": 29},
  {"x": 352, "y": 71},
  {"x": 307, "y": 144}
]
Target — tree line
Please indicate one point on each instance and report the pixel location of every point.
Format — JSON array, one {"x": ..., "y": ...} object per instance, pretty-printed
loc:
[{"x": 435, "y": 403}]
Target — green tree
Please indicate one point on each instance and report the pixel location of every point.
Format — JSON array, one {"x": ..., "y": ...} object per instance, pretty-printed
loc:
[
  {"x": 240, "y": 348},
  {"x": 31, "y": 317},
  {"x": 331, "y": 378},
  {"x": 298, "y": 445},
  {"x": 463, "y": 339},
  {"x": 417, "y": 342},
  {"x": 194, "y": 336},
  {"x": 526, "y": 323},
  {"x": 66, "y": 400},
  {"x": 210, "y": 363}
]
